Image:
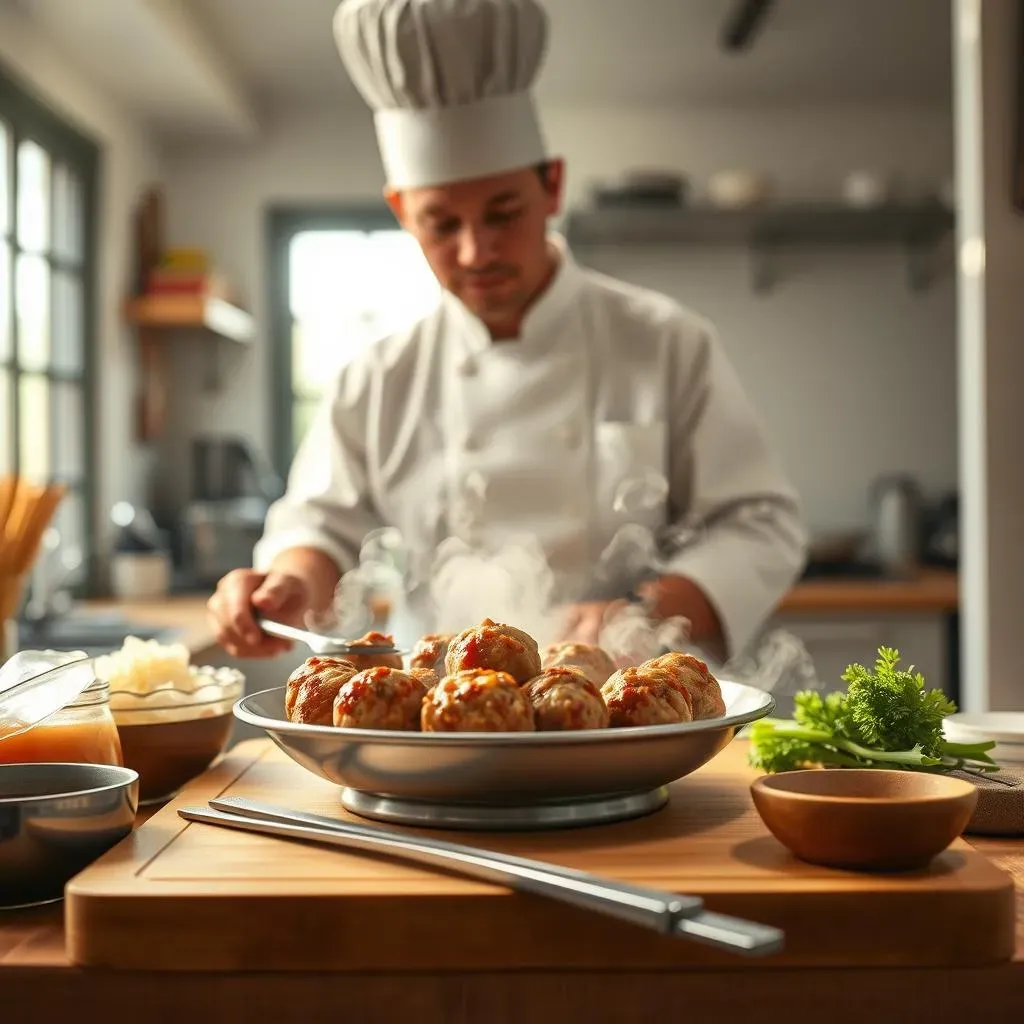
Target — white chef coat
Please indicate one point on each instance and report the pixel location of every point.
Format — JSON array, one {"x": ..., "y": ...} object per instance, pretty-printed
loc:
[{"x": 606, "y": 382}]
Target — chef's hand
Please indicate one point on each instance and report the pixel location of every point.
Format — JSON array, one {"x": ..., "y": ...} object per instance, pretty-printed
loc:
[
  {"x": 676, "y": 596},
  {"x": 243, "y": 592},
  {"x": 582, "y": 623}
]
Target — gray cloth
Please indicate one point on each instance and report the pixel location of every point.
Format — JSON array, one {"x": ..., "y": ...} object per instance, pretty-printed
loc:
[{"x": 1000, "y": 809}]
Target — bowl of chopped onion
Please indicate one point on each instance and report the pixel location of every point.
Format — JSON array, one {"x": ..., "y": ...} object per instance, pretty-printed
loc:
[{"x": 174, "y": 718}]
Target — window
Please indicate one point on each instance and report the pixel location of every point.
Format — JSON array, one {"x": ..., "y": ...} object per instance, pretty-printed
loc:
[
  {"x": 47, "y": 182},
  {"x": 341, "y": 280}
]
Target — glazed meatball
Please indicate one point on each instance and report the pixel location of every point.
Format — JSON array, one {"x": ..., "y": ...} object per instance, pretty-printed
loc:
[
  {"x": 380, "y": 698},
  {"x": 362, "y": 661},
  {"x": 564, "y": 698},
  {"x": 430, "y": 651},
  {"x": 312, "y": 687},
  {"x": 590, "y": 659},
  {"x": 702, "y": 687},
  {"x": 477, "y": 701},
  {"x": 646, "y": 695},
  {"x": 494, "y": 646}
]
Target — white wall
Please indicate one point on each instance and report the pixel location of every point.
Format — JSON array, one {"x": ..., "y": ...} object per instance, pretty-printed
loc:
[
  {"x": 854, "y": 374},
  {"x": 128, "y": 162},
  {"x": 991, "y": 351}
]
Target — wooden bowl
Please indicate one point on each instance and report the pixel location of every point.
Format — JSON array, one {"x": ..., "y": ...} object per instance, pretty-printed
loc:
[{"x": 864, "y": 819}]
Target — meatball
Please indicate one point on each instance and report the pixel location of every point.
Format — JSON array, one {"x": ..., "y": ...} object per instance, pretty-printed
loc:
[
  {"x": 564, "y": 698},
  {"x": 380, "y": 698},
  {"x": 595, "y": 664},
  {"x": 702, "y": 687},
  {"x": 362, "y": 661},
  {"x": 427, "y": 676},
  {"x": 494, "y": 646},
  {"x": 430, "y": 651},
  {"x": 646, "y": 695},
  {"x": 477, "y": 701},
  {"x": 312, "y": 687}
]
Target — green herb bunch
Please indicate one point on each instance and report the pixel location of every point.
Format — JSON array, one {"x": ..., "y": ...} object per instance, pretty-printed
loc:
[{"x": 885, "y": 719}]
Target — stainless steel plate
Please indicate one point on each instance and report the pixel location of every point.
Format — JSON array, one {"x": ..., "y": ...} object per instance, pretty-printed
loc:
[{"x": 397, "y": 773}]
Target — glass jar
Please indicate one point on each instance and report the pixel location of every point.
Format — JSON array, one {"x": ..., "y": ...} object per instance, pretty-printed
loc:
[{"x": 83, "y": 731}]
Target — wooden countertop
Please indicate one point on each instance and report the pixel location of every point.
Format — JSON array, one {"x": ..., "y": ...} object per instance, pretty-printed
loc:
[
  {"x": 38, "y": 983},
  {"x": 933, "y": 591}
]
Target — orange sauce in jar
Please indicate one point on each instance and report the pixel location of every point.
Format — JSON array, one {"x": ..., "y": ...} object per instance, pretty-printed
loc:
[
  {"x": 82, "y": 742},
  {"x": 83, "y": 732}
]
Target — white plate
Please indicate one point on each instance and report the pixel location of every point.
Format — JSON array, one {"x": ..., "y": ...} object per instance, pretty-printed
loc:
[{"x": 1006, "y": 727}]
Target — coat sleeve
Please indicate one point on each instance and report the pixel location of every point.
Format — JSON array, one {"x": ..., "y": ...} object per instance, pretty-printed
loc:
[
  {"x": 739, "y": 520},
  {"x": 327, "y": 503}
]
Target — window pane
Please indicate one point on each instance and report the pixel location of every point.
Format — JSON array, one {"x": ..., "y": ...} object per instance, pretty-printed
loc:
[
  {"x": 34, "y": 427},
  {"x": 5, "y": 177},
  {"x": 69, "y": 521},
  {"x": 33, "y": 197},
  {"x": 69, "y": 444},
  {"x": 348, "y": 289},
  {"x": 67, "y": 214},
  {"x": 5, "y": 301},
  {"x": 6, "y": 421},
  {"x": 68, "y": 346},
  {"x": 32, "y": 308}
]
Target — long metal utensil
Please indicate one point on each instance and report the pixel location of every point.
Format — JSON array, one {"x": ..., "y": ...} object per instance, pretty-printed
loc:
[
  {"x": 327, "y": 646},
  {"x": 664, "y": 912}
]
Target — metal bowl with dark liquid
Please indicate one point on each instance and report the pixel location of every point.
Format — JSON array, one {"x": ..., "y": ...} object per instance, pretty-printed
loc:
[{"x": 55, "y": 819}]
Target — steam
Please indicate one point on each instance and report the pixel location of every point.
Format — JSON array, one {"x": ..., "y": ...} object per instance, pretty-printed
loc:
[{"x": 469, "y": 577}]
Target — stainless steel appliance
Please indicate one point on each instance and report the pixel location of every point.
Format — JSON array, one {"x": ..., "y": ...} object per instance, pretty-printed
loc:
[
  {"x": 896, "y": 524},
  {"x": 232, "y": 488}
]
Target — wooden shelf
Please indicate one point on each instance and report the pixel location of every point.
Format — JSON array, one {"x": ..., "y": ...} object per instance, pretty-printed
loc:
[
  {"x": 167, "y": 312},
  {"x": 917, "y": 227}
]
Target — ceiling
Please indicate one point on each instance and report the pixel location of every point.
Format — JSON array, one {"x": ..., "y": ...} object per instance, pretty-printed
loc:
[{"x": 253, "y": 54}]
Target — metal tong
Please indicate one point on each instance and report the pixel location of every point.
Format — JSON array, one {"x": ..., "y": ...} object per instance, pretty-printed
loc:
[
  {"x": 659, "y": 910},
  {"x": 327, "y": 646}
]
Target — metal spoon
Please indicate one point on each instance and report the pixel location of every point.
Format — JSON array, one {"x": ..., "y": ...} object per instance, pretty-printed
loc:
[{"x": 327, "y": 646}]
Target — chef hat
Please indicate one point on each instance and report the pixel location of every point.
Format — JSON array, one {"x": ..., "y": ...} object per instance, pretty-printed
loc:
[{"x": 449, "y": 83}]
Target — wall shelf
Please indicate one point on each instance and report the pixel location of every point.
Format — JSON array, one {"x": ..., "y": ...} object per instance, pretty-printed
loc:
[
  {"x": 154, "y": 317},
  {"x": 918, "y": 228},
  {"x": 199, "y": 312}
]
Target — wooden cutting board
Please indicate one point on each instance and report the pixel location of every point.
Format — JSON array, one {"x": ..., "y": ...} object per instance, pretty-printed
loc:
[{"x": 188, "y": 896}]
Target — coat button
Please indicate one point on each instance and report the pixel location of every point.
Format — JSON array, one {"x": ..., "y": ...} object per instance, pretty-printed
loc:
[
  {"x": 468, "y": 367},
  {"x": 473, "y": 442}
]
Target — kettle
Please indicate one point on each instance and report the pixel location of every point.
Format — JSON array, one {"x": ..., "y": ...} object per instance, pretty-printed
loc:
[{"x": 896, "y": 523}]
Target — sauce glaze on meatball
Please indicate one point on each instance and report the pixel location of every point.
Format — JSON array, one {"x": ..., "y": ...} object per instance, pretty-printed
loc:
[
  {"x": 430, "y": 652},
  {"x": 374, "y": 639},
  {"x": 477, "y": 701},
  {"x": 380, "y": 698},
  {"x": 495, "y": 646},
  {"x": 564, "y": 698},
  {"x": 692, "y": 673},
  {"x": 312, "y": 687},
  {"x": 646, "y": 695}
]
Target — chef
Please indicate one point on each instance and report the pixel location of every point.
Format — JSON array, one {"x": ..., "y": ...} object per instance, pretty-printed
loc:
[{"x": 539, "y": 399}]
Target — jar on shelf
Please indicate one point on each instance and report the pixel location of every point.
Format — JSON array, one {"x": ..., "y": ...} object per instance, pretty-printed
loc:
[{"x": 59, "y": 713}]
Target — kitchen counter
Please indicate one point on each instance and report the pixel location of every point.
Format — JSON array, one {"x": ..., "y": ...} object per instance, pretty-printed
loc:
[
  {"x": 932, "y": 591},
  {"x": 38, "y": 983}
]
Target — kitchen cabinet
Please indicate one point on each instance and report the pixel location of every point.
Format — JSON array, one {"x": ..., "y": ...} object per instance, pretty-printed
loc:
[{"x": 835, "y": 639}]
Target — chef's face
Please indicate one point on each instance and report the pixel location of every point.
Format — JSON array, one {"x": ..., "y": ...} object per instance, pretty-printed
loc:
[{"x": 485, "y": 239}]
